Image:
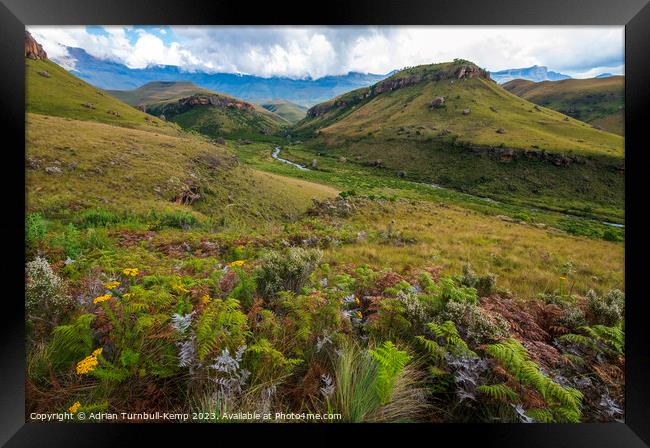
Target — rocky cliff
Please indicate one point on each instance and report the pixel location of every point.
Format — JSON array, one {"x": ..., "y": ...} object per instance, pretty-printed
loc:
[{"x": 33, "y": 50}]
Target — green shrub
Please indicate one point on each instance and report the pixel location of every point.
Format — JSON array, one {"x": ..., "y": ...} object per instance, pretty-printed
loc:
[
  {"x": 474, "y": 324},
  {"x": 179, "y": 219},
  {"x": 69, "y": 241},
  {"x": 485, "y": 285},
  {"x": 608, "y": 309},
  {"x": 97, "y": 217},
  {"x": 34, "y": 228},
  {"x": 286, "y": 271}
]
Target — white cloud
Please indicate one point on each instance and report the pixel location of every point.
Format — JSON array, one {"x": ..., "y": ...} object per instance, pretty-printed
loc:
[{"x": 317, "y": 51}]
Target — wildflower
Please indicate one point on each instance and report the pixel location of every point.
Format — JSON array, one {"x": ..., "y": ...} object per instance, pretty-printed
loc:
[
  {"x": 101, "y": 299},
  {"x": 112, "y": 285},
  {"x": 237, "y": 263},
  {"x": 87, "y": 365},
  {"x": 359, "y": 315},
  {"x": 131, "y": 272},
  {"x": 562, "y": 278},
  {"x": 97, "y": 352},
  {"x": 205, "y": 299},
  {"x": 75, "y": 407},
  {"x": 357, "y": 301},
  {"x": 126, "y": 295}
]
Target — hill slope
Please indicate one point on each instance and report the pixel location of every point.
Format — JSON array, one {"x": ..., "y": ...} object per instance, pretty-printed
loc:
[
  {"x": 451, "y": 125},
  {"x": 599, "y": 101},
  {"x": 202, "y": 110},
  {"x": 291, "y": 112},
  {"x": 51, "y": 90}
]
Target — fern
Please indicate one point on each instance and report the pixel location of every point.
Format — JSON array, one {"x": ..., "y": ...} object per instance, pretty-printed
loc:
[
  {"x": 599, "y": 338},
  {"x": 565, "y": 401},
  {"x": 391, "y": 362},
  {"x": 498, "y": 392},
  {"x": 453, "y": 342},
  {"x": 71, "y": 341},
  {"x": 221, "y": 325}
]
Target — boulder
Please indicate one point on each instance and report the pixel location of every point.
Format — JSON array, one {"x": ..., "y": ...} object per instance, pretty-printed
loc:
[
  {"x": 53, "y": 170},
  {"x": 88, "y": 105},
  {"x": 437, "y": 102},
  {"x": 493, "y": 109},
  {"x": 501, "y": 131},
  {"x": 467, "y": 111},
  {"x": 44, "y": 74}
]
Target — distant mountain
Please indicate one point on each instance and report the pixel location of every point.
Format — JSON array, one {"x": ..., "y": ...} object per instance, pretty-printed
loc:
[
  {"x": 210, "y": 113},
  {"x": 604, "y": 75},
  {"x": 535, "y": 73},
  {"x": 305, "y": 92},
  {"x": 599, "y": 101}
]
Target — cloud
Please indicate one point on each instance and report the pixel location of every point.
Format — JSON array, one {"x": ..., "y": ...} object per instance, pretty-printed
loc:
[{"x": 316, "y": 51}]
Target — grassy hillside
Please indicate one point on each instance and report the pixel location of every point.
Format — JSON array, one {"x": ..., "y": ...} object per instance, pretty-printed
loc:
[
  {"x": 210, "y": 113},
  {"x": 598, "y": 101},
  {"x": 128, "y": 170},
  {"x": 482, "y": 140},
  {"x": 292, "y": 112},
  {"x": 51, "y": 90},
  {"x": 157, "y": 91}
]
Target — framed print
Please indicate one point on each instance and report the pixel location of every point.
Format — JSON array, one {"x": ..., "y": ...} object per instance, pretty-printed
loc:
[{"x": 379, "y": 218}]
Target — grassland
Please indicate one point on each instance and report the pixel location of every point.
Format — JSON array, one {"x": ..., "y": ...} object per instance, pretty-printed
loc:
[
  {"x": 292, "y": 112},
  {"x": 598, "y": 101},
  {"x": 170, "y": 272},
  {"x": 158, "y": 91}
]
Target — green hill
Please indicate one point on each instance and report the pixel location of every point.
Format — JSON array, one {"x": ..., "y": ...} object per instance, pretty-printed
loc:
[
  {"x": 83, "y": 157},
  {"x": 292, "y": 112},
  {"x": 598, "y": 101},
  {"x": 210, "y": 113},
  {"x": 451, "y": 125},
  {"x": 51, "y": 90}
]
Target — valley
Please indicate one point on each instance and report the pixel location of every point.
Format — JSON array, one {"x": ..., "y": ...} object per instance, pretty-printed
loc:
[{"x": 192, "y": 251}]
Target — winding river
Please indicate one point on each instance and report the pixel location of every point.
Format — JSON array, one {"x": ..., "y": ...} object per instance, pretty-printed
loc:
[{"x": 276, "y": 155}]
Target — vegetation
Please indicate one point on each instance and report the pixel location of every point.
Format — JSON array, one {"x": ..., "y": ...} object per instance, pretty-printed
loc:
[
  {"x": 598, "y": 101},
  {"x": 167, "y": 271}
]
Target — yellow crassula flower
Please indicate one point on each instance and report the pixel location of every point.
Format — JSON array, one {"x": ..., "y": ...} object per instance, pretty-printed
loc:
[
  {"x": 359, "y": 315},
  {"x": 87, "y": 365},
  {"x": 75, "y": 407},
  {"x": 101, "y": 299},
  {"x": 112, "y": 285},
  {"x": 96, "y": 352},
  {"x": 237, "y": 263},
  {"x": 131, "y": 272}
]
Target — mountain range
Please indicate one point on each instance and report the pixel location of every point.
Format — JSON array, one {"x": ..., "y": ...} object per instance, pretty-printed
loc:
[
  {"x": 535, "y": 73},
  {"x": 305, "y": 92}
]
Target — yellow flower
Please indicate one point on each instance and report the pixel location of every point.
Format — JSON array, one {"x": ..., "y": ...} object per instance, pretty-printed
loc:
[
  {"x": 205, "y": 299},
  {"x": 562, "y": 278},
  {"x": 356, "y": 299},
  {"x": 237, "y": 263},
  {"x": 112, "y": 285},
  {"x": 96, "y": 352},
  {"x": 359, "y": 315},
  {"x": 87, "y": 365},
  {"x": 126, "y": 295},
  {"x": 131, "y": 272},
  {"x": 75, "y": 407},
  {"x": 101, "y": 299}
]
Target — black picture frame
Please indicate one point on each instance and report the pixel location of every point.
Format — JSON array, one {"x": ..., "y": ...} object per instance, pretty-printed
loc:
[{"x": 634, "y": 14}]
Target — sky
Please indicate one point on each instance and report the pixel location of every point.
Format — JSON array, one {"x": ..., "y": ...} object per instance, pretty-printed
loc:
[{"x": 317, "y": 51}]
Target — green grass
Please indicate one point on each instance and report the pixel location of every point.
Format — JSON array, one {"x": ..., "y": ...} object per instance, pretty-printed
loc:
[
  {"x": 598, "y": 101},
  {"x": 292, "y": 112},
  {"x": 63, "y": 95}
]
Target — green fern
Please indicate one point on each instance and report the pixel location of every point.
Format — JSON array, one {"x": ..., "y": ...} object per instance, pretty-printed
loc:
[
  {"x": 453, "y": 342},
  {"x": 221, "y": 325},
  {"x": 498, "y": 392},
  {"x": 71, "y": 342},
  {"x": 564, "y": 401},
  {"x": 599, "y": 338},
  {"x": 391, "y": 362}
]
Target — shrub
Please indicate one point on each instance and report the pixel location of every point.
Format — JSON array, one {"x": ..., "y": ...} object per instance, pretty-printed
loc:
[
  {"x": 608, "y": 309},
  {"x": 286, "y": 271},
  {"x": 34, "y": 228},
  {"x": 97, "y": 217},
  {"x": 474, "y": 324},
  {"x": 69, "y": 241},
  {"x": 485, "y": 285},
  {"x": 45, "y": 293},
  {"x": 179, "y": 219}
]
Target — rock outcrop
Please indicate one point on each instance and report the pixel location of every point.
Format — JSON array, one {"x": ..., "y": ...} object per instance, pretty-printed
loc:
[
  {"x": 185, "y": 104},
  {"x": 33, "y": 50}
]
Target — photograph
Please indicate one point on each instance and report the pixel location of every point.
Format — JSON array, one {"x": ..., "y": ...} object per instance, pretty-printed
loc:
[{"x": 325, "y": 224}]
